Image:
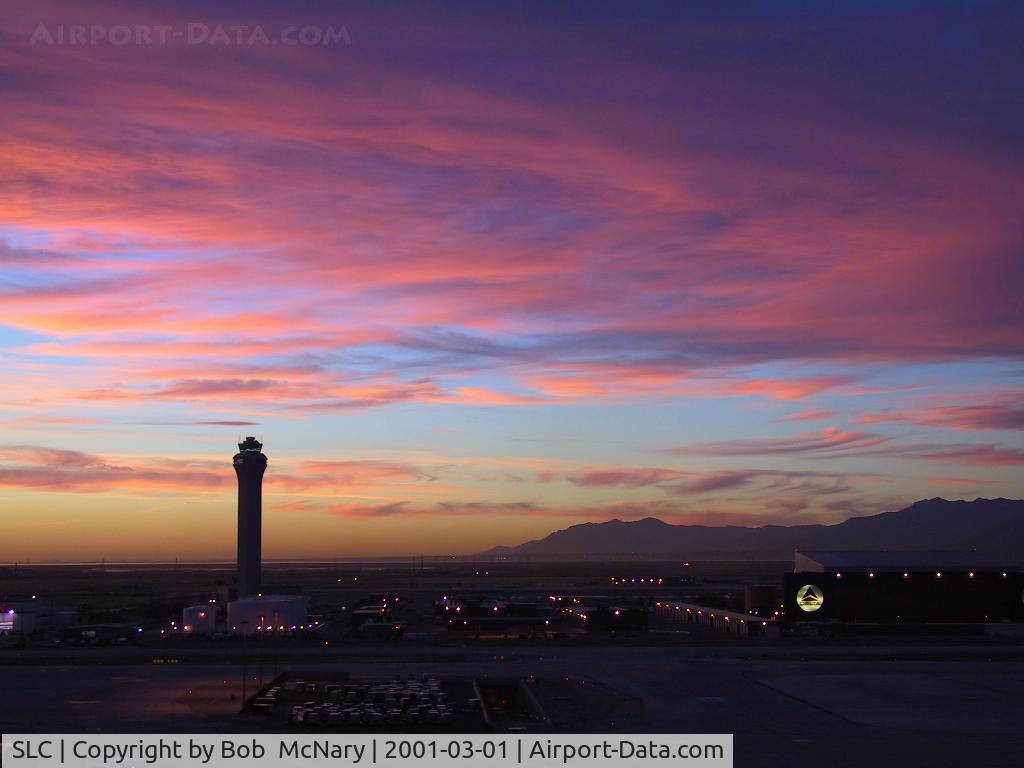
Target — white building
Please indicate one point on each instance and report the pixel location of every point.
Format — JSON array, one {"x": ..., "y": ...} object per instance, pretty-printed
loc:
[
  {"x": 31, "y": 615},
  {"x": 267, "y": 613}
]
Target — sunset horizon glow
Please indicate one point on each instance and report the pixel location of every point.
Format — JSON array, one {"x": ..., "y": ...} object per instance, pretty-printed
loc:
[{"x": 473, "y": 274}]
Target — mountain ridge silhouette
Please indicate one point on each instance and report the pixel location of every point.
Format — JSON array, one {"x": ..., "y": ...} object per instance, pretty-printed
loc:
[{"x": 992, "y": 526}]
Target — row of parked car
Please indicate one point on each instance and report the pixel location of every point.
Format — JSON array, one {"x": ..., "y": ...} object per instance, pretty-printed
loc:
[{"x": 396, "y": 702}]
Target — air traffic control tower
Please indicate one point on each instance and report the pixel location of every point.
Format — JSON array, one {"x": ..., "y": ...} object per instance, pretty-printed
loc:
[{"x": 250, "y": 464}]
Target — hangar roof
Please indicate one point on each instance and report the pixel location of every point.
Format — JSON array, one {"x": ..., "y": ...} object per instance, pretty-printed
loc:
[{"x": 892, "y": 560}]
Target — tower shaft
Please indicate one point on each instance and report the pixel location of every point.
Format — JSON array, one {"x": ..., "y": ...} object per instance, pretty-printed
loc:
[{"x": 250, "y": 464}]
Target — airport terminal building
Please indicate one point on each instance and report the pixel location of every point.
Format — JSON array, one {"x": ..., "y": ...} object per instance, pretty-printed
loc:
[{"x": 889, "y": 587}]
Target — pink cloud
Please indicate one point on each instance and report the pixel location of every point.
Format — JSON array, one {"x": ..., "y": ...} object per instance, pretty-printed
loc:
[
  {"x": 789, "y": 389},
  {"x": 1003, "y": 412},
  {"x": 49, "y": 469},
  {"x": 809, "y": 414},
  {"x": 830, "y": 440},
  {"x": 525, "y": 195},
  {"x": 833, "y": 443},
  {"x": 980, "y": 454},
  {"x": 628, "y": 477},
  {"x": 403, "y": 508}
]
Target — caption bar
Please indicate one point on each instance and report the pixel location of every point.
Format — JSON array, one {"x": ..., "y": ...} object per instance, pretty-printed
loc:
[{"x": 469, "y": 751}]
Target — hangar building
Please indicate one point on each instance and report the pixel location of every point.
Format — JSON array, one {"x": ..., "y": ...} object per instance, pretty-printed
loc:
[
  {"x": 272, "y": 613},
  {"x": 877, "y": 587}
]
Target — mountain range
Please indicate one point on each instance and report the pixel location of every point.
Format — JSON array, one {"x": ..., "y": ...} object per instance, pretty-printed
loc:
[{"x": 991, "y": 526}]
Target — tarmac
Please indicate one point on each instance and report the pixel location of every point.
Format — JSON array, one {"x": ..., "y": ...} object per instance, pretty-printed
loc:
[{"x": 787, "y": 705}]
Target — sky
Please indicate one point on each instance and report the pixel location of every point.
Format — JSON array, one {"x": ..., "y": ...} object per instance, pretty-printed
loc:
[{"x": 474, "y": 273}]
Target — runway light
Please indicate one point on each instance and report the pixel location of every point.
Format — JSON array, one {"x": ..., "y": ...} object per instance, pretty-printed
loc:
[
  {"x": 970, "y": 575},
  {"x": 938, "y": 575},
  {"x": 906, "y": 575},
  {"x": 871, "y": 575}
]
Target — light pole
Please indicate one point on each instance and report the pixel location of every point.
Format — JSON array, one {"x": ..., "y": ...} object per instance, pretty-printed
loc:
[
  {"x": 243, "y": 625},
  {"x": 262, "y": 632},
  {"x": 273, "y": 639}
]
